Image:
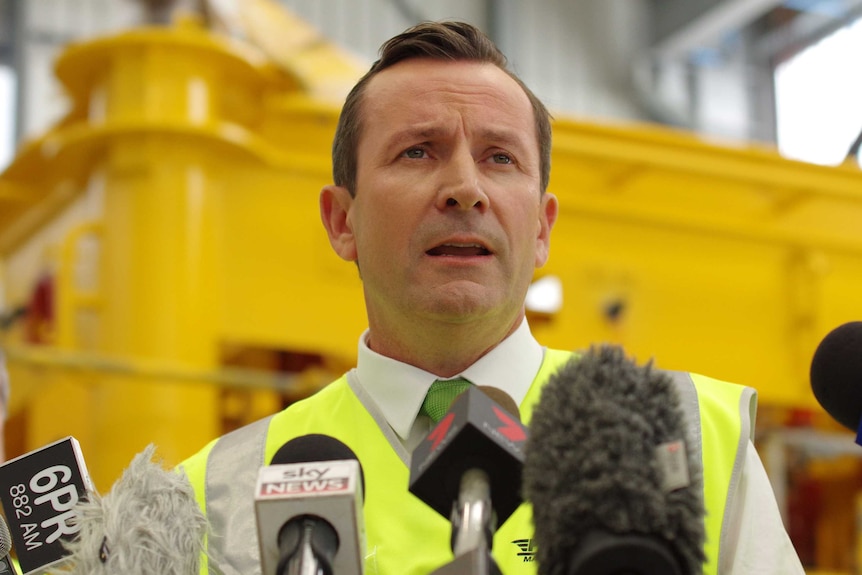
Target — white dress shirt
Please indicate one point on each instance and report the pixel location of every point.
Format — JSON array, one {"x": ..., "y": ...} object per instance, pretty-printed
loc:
[
  {"x": 399, "y": 389},
  {"x": 757, "y": 535}
]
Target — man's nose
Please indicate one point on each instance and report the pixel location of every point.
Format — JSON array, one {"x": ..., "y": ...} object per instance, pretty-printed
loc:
[{"x": 461, "y": 185}]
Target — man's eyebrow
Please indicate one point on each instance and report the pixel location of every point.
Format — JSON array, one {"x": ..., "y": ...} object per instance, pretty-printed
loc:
[
  {"x": 504, "y": 137},
  {"x": 413, "y": 133}
]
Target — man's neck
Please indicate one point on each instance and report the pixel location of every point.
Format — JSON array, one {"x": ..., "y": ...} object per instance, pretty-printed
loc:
[{"x": 440, "y": 348}]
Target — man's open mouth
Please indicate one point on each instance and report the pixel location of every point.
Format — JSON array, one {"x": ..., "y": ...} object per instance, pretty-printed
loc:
[{"x": 461, "y": 250}]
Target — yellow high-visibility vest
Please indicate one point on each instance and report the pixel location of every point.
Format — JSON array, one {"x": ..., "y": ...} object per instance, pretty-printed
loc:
[{"x": 403, "y": 535}]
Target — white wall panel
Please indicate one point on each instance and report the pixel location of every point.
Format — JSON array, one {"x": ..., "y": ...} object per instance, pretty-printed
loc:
[
  {"x": 363, "y": 25},
  {"x": 577, "y": 55}
]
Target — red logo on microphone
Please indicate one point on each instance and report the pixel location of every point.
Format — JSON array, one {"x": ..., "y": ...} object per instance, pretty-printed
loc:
[
  {"x": 439, "y": 433},
  {"x": 511, "y": 429}
]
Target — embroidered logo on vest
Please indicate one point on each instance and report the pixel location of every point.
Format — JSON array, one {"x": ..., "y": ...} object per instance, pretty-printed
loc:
[{"x": 527, "y": 550}]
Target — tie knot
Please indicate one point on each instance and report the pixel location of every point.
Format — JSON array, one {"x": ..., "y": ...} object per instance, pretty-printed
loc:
[{"x": 441, "y": 395}]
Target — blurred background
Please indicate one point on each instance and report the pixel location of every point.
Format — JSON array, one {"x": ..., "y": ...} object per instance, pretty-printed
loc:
[{"x": 164, "y": 277}]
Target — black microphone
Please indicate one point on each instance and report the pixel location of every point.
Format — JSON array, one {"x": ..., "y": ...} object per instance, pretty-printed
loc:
[
  {"x": 836, "y": 375},
  {"x": 39, "y": 492},
  {"x": 614, "y": 488},
  {"x": 308, "y": 507},
  {"x": 469, "y": 469},
  {"x": 6, "y": 565}
]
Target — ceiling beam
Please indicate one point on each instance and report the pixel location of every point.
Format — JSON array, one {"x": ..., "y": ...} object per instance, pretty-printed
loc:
[{"x": 717, "y": 19}]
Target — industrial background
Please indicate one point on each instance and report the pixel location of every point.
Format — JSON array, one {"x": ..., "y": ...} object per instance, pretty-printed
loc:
[{"x": 164, "y": 277}]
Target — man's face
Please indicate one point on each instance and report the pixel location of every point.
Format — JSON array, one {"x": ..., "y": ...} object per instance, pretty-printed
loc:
[{"x": 448, "y": 222}]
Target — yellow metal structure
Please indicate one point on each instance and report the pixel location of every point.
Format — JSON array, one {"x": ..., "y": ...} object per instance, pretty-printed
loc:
[{"x": 208, "y": 157}]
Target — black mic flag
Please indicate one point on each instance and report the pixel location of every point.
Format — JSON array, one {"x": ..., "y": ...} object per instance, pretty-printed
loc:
[
  {"x": 614, "y": 488},
  {"x": 469, "y": 467},
  {"x": 40, "y": 492}
]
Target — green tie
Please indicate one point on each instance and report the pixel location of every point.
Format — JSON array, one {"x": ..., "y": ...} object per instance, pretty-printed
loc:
[{"x": 441, "y": 395}]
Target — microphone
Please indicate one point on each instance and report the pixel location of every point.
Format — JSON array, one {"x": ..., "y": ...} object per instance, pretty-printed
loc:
[
  {"x": 149, "y": 522},
  {"x": 613, "y": 487},
  {"x": 39, "y": 492},
  {"x": 468, "y": 468},
  {"x": 308, "y": 507},
  {"x": 6, "y": 565},
  {"x": 836, "y": 375}
]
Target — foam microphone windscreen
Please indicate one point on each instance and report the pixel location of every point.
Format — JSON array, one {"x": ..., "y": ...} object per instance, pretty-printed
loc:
[
  {"x": 149, "y": 522},
  {"x": 6, "y": 567},
  {"x": 315, "y": 447},
  {"x": 591, "y": 463},
  {"x": 836, "y": 374},
  {"x": 312, "y": 447},
  {"x": 5, "y": 538}
]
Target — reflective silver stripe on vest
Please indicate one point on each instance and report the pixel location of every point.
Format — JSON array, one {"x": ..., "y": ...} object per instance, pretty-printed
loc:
[
  {"x": 691, "y": 411},
  {"x": 232, "y": 469},
  {"x": 747, "y": 407}
]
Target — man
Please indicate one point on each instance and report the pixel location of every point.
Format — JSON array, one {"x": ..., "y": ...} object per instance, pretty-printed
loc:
[{"x": 441, "y": 162}]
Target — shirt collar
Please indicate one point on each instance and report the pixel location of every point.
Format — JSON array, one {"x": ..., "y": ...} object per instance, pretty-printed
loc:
[{"x": 398, "y": 388}]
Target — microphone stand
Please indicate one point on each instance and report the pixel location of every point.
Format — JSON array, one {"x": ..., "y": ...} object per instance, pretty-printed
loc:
[{"x": 472, "y": 528}]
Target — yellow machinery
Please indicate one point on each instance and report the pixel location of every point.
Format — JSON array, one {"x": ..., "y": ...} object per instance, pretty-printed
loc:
[{"x": 207, "y": 159}]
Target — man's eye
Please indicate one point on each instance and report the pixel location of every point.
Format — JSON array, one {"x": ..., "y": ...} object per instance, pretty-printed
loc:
[
  {"x": 414, "y": 153},
  {"x": 502, "y": 158}
]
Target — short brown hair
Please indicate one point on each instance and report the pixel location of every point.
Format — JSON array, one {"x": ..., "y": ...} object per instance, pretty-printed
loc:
[{"x": 436, "y": 40}]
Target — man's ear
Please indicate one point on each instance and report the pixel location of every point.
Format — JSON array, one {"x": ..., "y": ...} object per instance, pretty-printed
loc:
[
  {"x": 549, "y": 209},
  {"x": 335, "y": 204}
]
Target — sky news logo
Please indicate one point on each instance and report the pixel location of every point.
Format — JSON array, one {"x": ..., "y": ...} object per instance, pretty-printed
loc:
[{"x": 304, "y": 486}]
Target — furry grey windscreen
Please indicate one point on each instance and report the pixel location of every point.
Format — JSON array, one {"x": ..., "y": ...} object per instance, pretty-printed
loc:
[
  {"x": 148, "y": 523},
  {"x": 590, "y": 460},
  {"x": 5, "y": 538}
]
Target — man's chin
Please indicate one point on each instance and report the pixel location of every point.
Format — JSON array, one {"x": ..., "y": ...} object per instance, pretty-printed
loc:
[{"x": 461, "y": 305}]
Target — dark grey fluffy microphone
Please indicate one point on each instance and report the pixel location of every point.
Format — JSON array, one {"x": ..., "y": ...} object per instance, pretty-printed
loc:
[
  {"x": 600, "y": 505},
  {"x": 6, "y": 566}
]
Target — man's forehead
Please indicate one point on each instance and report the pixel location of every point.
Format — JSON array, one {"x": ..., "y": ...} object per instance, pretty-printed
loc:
[
  {"x": 403, "y": 75},
  {"x": 414, "y": 87}
]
